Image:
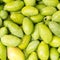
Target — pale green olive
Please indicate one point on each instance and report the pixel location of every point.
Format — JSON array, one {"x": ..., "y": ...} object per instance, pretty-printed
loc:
[
  {"x": 54, "y": 54},
  {"x": 14, "y": 5},
  {"x": 55, "y": 41},
  {"x": 10, "y": 40},
  {"x": 29, "y": 11},
  {"x": 27, "y": 26},
  {"x": 32, "y": 47},
  {"x": 25, "y": 42},
  {"x": 43, "y": 51},
  {"x": 45, "y": 33},
  {"x": 33, "y": 56},
  {"x": 17, "y": 17},
  {"x": 14, "y": 28},
  {"x": 48, "y": 11}
]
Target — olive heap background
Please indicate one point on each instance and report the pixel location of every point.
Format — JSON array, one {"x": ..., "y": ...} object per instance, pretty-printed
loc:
[{"x": 29, "y": 30}]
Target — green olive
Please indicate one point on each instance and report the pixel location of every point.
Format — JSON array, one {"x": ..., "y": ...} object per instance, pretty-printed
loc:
[
  {"x": 27, "y": 26},
  {"x": 14, "y": 5},
  {"x": 43, "y": 51},
  {"x": 54, "y": 54},
  {"x": 29, "y": 11}
]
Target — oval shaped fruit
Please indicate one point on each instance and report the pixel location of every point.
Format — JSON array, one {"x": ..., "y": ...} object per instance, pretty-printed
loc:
[
  {"x": 3, "y": 31},
  {"x": 2, "y": 52},
  {"x": 25, "y": 42},
  {"x": 27, "y": 26},
  {"x": 48, "y": 11},
  {"x": 33, "y": 56},
  {"x": 14, "y": 28},
  {"x": 32, "y": 47},
  {"x": 55, "y": 28},
  {"x": 45, "y": 33},
  {"x": 29, "y": 11},
  {"x": 51, "y": 2},
  {"x": 54, "y": 54},
  {"x": 17, "y": 17},
  {"x": 14, "y": 5},
  {"x": 55, "y": 42},
  {"x": 15, "y": 53},
  {"x": 10, "y": 40},
  {"x": 35, "y": 34},
  {"x": 56, "y": 16},
  {"x": 30, "y": 2},
  {"x": 43, "y": 51},
  {"x": 37, "y": 18}
]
